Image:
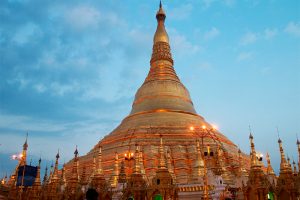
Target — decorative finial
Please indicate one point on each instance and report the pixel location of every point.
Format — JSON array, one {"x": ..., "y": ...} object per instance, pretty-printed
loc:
[
  {"x": 25, "y": 145},
  {"x": 76, "y": 152},
  {"x": 160, "y": 4},
  {"x": 279, "y": 140},
  {"x": 40, "y": 160},
  {"x": 57, "y": 155},
  {"x": 250, "y": 136}
]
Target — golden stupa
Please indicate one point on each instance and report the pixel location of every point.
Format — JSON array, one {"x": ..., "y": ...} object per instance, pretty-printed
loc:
[{"x": 163, "y": 108}]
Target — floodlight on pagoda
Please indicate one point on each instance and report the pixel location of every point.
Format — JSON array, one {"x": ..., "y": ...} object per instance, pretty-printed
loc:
[
  {"x": 214, "y": 127},
  {"x": 192, "y": 128},
  {"x": 129, "y": 156},
  {"x": 204, "y": 127},
  {"x": 259, "y": 156},
  {"x": 17, "y": 157}
]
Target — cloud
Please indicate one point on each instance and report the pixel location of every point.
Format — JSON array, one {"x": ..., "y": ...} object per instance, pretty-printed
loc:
[
  {"x": 40, "y": 88},
  {"x": 244, "y": 56},
  {"x": 208, "y": 3},
  {"x": 205, "y": 65},
  {"x": 211, "y": 34},
  {"x": 248, "y": 38},
  {"x": 81, "y": 17},
  {"x": 270, "y": 33},
  {"x": 27, "y": 33},
  {"x": 181, "y": 12},
  {"x": 293, "y": 28},
  {"x": 44, "y": 132},
  {"x": 182, "y": 46}
]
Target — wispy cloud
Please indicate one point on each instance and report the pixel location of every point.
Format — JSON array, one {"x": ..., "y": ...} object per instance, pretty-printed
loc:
[
  {"x": 293, "y": 28},
  {"x": 181, "y": 12},
  {"x": 208, "y": 3},
  {"x": 244, "y": 56},
  {"x": 181, "y": 45},
  {"x": 211, "y": 34},
  {"x": 248, "y": 38},
  {"x": 270, "y": 33}
]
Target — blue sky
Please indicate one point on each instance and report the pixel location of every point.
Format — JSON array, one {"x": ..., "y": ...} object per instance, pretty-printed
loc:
[{"x": 70, "y": 69}]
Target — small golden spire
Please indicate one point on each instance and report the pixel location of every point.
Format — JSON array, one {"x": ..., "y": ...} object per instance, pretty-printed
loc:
[
  {"x": 137, "y": 168},
  {"x": 24, "y": 152},
  {"x": 162, "y": 162},
  {"x": 284, "y": 166},
  {"x": 253, "y": 152},
  {"x": 45, "y": 176},
  {"x": 55, "y": 172},
  {"x": 295, "y": 167},
  {"x": 37, "y": 181},
  {"x": 75, "y": 175},
  {"x": 122, "y": 174},
  {"x": 100, "y": 170},
  {"x": 270, "y": 170}
]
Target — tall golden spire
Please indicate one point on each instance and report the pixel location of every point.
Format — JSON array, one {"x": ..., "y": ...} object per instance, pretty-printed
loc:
[
  {"x": 24, "y": 152},
  {"x": 55, "y": 172},
  {"x": 284, "y": 166},
  {"x": 253, "y": 152},
  {"x": 75, "y": 165}
]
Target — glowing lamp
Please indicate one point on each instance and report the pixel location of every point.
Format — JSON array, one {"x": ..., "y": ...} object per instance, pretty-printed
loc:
[
  {"x": 203, "y": 127},
  {"x": 192, "y": 128},
  {"x": 214, "y": 127}
]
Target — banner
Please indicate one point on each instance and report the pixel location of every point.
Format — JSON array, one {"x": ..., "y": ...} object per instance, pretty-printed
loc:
[{"x": 26, "y": 174}]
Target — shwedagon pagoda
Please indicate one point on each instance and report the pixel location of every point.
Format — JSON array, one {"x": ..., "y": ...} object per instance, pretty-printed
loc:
[{"x": 162, "y": 150}]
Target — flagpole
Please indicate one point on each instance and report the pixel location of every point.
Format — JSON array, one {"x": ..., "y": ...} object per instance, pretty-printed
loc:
[{"x": 22, "y": 183}]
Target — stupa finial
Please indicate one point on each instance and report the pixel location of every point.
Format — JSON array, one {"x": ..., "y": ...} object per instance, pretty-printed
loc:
[{"x": 161, "y": 34}]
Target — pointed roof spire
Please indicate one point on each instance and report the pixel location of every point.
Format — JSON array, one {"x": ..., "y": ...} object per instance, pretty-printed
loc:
[
  {"x": 45, "y": 176},
  {"x": 160, "y": 5},
  {"x": 253, "y": 152},
  {"x": 57, "y": 155},
  {"x": 122, "y": 174},
  {"x": 270, "y": 170},
  {"x": 162, "y": 161},
  {"x": 284, "y": 166},
  {"x": 295, "y": 167},
  {"x": 137, "y": 168},
  {"x": 76, "y": 152},
  {"x": 55, "y": 171},
  {"x": 100, "y": 170},
  {"x": 298, "y": 144},
  {"x": 25, "y": 145}
]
